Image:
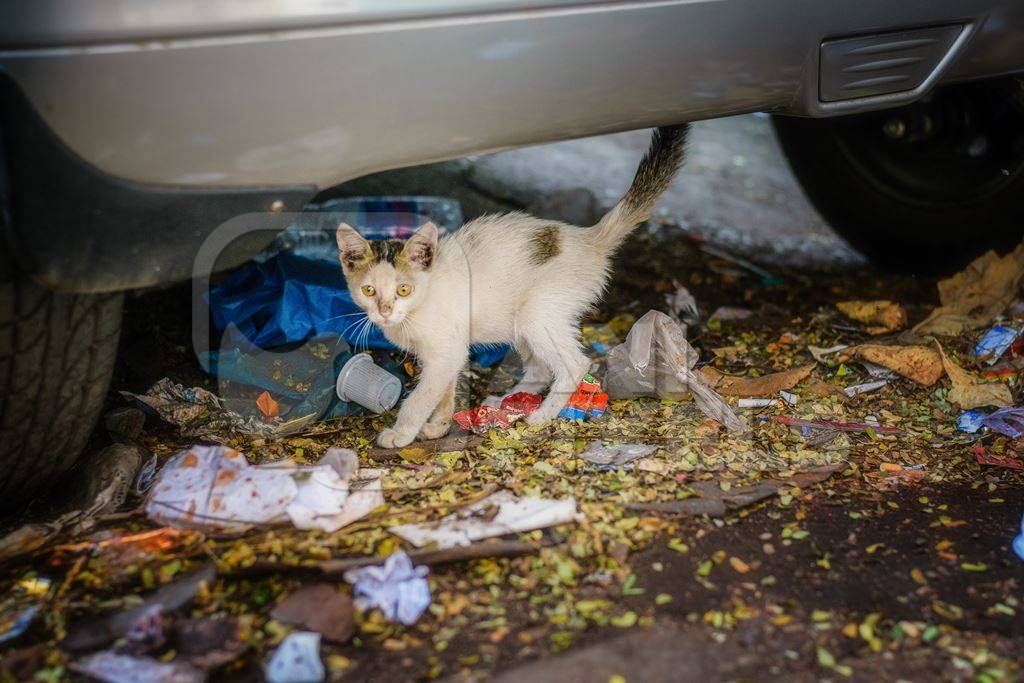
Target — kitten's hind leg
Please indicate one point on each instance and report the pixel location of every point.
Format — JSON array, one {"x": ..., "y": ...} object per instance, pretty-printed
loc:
[
  {"x": 536, "y": 378},
  {"x": 559, "y": 350},
  {"x": 536, "y": 375}
]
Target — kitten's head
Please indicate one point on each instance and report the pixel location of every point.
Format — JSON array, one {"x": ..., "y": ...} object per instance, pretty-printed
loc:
[{"x": 387, "y": 278}]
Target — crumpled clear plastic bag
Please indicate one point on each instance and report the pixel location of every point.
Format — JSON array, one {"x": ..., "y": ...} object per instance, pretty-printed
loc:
[{"x": 656, "y": 360}]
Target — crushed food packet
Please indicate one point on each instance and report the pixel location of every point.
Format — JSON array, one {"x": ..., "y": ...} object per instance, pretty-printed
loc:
[
  {"x": 656, "y": 360},
  {"x": 397, "y": 588},
  {"x": 482, "y": 419},
  {"x": 521, "y": 404},
  {"x": 587, "y": 403},
  {"x": 496, "y": 515},
  {"x": 994, "y": 344},
  {"x": 1007, "y": 421},
  {"x": 970, "y": 421},
  {"x": 984, "y": 456},
  {"x": 215, "y": 489}
]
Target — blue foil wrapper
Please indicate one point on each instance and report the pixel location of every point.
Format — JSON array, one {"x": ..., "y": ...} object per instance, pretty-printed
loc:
[
  {"x": 970, "y": 421},
  {"x": 994, "y": 343}
]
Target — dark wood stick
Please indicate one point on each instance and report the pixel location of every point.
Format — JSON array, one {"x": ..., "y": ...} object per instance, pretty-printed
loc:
[{"x": 330, "y": 569}]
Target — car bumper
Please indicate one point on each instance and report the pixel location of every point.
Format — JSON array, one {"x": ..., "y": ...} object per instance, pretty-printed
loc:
[{"x": 271, "y": 93}]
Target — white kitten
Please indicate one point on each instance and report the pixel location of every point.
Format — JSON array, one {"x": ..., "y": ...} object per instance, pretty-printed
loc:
[{"x": 509, "y": 278}]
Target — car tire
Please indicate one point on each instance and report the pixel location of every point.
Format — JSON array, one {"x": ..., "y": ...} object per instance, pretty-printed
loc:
[
  {"x": 57, "y": 354},
  {"x": 926, "y": 203}
]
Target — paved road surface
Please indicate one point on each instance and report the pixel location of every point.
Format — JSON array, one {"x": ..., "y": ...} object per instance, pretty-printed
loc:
[{"x": 735, "y": 188}]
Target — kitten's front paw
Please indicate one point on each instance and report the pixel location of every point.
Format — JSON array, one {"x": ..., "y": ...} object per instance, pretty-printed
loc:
[
  {"x": 435, "y": 430},
  {"x": 392, "y": 438}
]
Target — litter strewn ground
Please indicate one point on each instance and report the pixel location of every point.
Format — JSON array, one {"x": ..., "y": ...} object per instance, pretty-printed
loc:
[{"x": 839, "y": 536}]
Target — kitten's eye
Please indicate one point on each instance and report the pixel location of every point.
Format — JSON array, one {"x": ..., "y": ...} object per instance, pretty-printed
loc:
[
  {"x": 368, "y": 290},
  {"x": 404, "y": 290}
]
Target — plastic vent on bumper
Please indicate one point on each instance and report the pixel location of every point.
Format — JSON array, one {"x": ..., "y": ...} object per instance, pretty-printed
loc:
[{"x": 881, "y": 64}]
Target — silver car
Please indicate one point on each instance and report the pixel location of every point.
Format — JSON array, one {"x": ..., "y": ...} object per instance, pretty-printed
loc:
[{"x": 131, "y": 130}]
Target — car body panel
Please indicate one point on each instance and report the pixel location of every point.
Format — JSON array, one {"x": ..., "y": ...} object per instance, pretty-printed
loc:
[{"x": 268, "y": 93}]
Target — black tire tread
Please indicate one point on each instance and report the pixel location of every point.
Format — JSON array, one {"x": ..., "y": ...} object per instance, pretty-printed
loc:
[{"x": 57, "y": 354}]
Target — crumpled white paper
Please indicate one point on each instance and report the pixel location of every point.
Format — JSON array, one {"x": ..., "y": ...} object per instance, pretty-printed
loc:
[
  {"x": 214, "y": 489},
  {"x": 498, "y": 514},
  {"x": 656, "y": 360},
  {"x": 297, "y": 659},
  {"x": 397, "y": 588}
]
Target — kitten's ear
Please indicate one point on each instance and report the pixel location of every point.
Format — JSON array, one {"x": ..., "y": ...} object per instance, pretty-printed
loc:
[
  {"x": 420, "y": 248},
  {"x": 352, "y": 247}
]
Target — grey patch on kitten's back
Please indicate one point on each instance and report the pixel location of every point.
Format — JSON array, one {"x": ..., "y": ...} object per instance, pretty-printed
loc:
[{"x": 545, "y": 244}]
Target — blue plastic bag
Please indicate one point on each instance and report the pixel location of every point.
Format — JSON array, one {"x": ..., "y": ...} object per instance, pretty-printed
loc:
[{"x": 290, "y": 298}]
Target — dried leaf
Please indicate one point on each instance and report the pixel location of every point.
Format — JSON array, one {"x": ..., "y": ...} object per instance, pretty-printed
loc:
[
  {"x": 975, "y": 296},
  {"x": 267, "y": 405},
  {"x": 918, "y": 363},
  {"x": 415, "y": 455},
  {"x": 767, "y": 385},
  {"x": 880, "y": 316},
  {"x": 822, "y": 389},
  {"x": 969, "y": 391}
]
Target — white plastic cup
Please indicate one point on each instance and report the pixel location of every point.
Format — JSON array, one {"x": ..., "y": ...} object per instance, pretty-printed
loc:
[{"x": 366, "y": 383}]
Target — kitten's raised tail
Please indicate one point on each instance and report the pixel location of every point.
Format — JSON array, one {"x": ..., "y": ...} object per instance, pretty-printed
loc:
[{"x": 654, "y": 175}]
